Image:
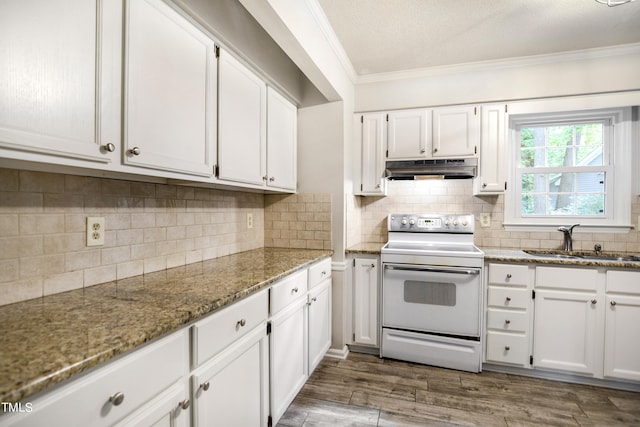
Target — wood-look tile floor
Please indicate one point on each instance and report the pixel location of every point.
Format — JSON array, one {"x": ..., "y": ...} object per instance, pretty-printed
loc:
[{"x": 364, "y": 390}]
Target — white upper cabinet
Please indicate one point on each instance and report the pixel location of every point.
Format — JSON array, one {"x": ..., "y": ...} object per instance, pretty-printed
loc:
[
  {"x": 492, "y": 176},
  {"x": 409, "y": 134},
  {"x": 242, "y": 137},
  {"x": 371, "y": 142},
  {"x": 282, "y": 128},
  {"x": 456, "y": 131},
  {"x": 60, "y": 79},
  {"x": 170, "y": 91}
]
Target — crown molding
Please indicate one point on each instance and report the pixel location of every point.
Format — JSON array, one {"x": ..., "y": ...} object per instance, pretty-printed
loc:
[{"x": 523, "y": 61}]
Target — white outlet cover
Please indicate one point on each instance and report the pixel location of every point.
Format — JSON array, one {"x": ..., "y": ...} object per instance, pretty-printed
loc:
[
  {"x": 485, "y": 220},
  {"x": 95, "y": 231}
]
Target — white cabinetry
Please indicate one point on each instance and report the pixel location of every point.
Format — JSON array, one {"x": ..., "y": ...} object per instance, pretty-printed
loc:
[
  {"x": 565, "y": 325},
  {"x": 288, "y": 341},
  {"x": 282, "y": 125},
  {"x": 146, "y": 385},
  {"x": 409, "y": 134},
  {"x": 492, "y": 173},
  {"x": 230, "y": 350},
  {"x": 242, "y": 138},
  {"x": 508, "y": 314},
  {"x": 319, "y": 302},
  {"x": 622, "y": 325},
  {"x": 371, "y": 139},
  {"x": 60, "y": 80},
  {"x": 456, "y": 131},
  {"x": 365, "y": 301},
  {"x": 170, "y": 91}
]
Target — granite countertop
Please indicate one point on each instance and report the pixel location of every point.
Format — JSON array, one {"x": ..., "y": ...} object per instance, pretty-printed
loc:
[
  {"x": 47, "y": 340},
  {"x": 365, "y": 248},
  {"x": 515, "y": 255}
]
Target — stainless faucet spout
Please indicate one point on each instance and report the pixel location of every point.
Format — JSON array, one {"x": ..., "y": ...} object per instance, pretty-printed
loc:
[{"x": 568, "y": 236}]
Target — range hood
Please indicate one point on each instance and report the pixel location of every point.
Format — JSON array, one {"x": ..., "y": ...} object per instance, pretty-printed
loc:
[{"x": 431, "y": 168}]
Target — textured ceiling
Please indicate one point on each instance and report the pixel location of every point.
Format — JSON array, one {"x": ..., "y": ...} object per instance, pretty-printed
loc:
[{"x": 395, "y": 35}]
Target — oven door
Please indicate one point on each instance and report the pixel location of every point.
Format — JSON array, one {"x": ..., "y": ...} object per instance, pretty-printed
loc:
[{"x": 443, "y": 300}]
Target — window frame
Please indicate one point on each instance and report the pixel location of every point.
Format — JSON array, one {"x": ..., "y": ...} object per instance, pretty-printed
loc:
[{"x": 617, "y": 157}]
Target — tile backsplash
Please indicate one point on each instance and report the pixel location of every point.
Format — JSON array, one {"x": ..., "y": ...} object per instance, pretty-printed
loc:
[
  {"x": 455, "y": 196},
  {"x": 148, "y": 227}
]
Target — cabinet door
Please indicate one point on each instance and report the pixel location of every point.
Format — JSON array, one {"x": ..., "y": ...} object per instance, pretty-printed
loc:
[
  {"x": 408, "y": 134},
  {"x": 169, "y": 409},
  {"x": 622, "y": 330},
  {"x": 456, "y": 131},
  {"x": 319, "y": 301},
  {"x": 372, "y": 154},
  {"x": 565, "y": 330},
  {"x": 492, "y": 173},
  {"x": 288, "y": 362},
  {"x": 232, "y": 388},
  {"x": 365, "y": 302},
  {"x": 170, "y": 89},
  {"x": 282, "y": 125},
  {"x": 60, "y": 78},
  {"x": 241, "y": 123}
]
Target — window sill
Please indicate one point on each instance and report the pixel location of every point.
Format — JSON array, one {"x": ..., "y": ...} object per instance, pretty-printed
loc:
[{"x": 614, "y": 229}]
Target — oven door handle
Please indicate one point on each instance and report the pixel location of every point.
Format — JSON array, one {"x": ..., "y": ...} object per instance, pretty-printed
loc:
[{"x": 470, "y": 272}]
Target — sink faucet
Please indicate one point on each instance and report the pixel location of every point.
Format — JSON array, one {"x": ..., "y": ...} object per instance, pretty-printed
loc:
[{"x": 567, "y": 245}]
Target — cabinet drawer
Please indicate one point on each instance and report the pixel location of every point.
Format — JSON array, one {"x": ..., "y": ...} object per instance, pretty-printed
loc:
[
  {"x": 288, "y": 290},
  {"x": 137, "y": 377},
  {"x": 507, "y": 297},
  {"x": 566, "y": 278},
  {"x": 507, "y": 274},
  {"x": 227, "y": 325},
  {"x": 507, "y": 320},
  {"x": 507, "y": 348},
  {"x": 319, "y": 271},
  {"x": 627, "y": 282}
]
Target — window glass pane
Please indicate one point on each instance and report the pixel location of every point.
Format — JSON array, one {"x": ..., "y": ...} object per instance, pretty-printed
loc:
[
  {"x": 562, "y": 204},
  {"x": 588, "y": 182},
  {"x": 590, "y": 204}
]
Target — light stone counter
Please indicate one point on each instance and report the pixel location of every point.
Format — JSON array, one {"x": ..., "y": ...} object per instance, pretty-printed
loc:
[{"x": 47, "y": 340}]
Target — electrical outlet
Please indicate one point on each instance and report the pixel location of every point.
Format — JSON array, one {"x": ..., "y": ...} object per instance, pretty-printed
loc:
[
  {"x": 95, "y": 231},
  {"x": 485, "y": 219},
  {"x": 249, "y": 220}
]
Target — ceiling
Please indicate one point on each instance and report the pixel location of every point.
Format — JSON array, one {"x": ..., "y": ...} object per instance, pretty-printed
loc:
[{"x": 381, "y": 36}]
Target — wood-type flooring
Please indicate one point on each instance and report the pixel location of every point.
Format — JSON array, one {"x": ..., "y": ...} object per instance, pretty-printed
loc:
[{"x": 364, "y": 390}]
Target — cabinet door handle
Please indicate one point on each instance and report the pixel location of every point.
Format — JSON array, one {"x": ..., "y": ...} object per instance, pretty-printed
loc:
[
  {"x": 135, "y": 151},
  {"x": 273, "y": 178},
  {"x": 508, "y": 299},
  {"x": 241, "y": 323},
  {"x": 422, "y": 151},
  {"x": 205, "y": 385},
  {"x": 184, "y": 404},
  {"x": 594, "y": 301},
  {"x": 110, "y": 147},
  {"x": 294, "y": 290},
  {"x": 116, "y": 399},
  {"x": 484, "y": 185},
  {"x": 265, "y": 178},
  {"x": 507, "y": 321},
  {"x": 324, "y": 273},
  {"x": 613, "y": 303},
  {"x": 507, "y": 348},
  {"x": 509, "y": 276},
  {"x": 435, "y": 150}
]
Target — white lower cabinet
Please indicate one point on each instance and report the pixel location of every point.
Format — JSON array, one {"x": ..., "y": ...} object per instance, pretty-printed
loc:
[
  {"x": 232, "y": 388},
  {"x": 365, "y": 301},
  {"x": 319, "y": 302},
  {"x": 288, "y": 343},
  {"x": 147, "y": 385},
  {"x": 622, "y": 326}
]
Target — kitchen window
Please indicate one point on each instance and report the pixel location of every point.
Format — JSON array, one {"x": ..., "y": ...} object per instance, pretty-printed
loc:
[{"x": 569, "y": 168}]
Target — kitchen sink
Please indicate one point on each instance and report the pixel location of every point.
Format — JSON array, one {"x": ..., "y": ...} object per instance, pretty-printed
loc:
[{"x": 583, "y": 256}]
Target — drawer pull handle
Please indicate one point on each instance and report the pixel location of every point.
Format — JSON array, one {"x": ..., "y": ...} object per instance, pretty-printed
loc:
[
  {"x": 324, "y": 273},
  {"x": 507, "y": 321},
  {"x": 241, "y": 323},
  {"x": 135, "y": 151},
  {"x": 508, "y": 275},
  {"x": 507, "y": 348},
  {"x": 117, "y": 399},
  {"x": 613, "y": 303},
  {"x": 294, "y": 290},
  {"x": 508, "y": 299},
  {"x": 109, "y": 147},
  {"x": 594, "y": 301},
  {"x": 205, "y": 385},
  {"x": 184, "y": 404},
  {"x": 314, "y": 299}
]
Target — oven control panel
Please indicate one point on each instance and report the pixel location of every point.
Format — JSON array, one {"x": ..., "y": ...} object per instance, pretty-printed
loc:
[{"x": 431, "y": 223}]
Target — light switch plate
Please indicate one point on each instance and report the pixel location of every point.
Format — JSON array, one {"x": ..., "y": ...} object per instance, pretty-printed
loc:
[
  {"x": 249, "y": 220},
  {"x": 485, "y": 219},
  {"x": 95, "y": 231}
]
